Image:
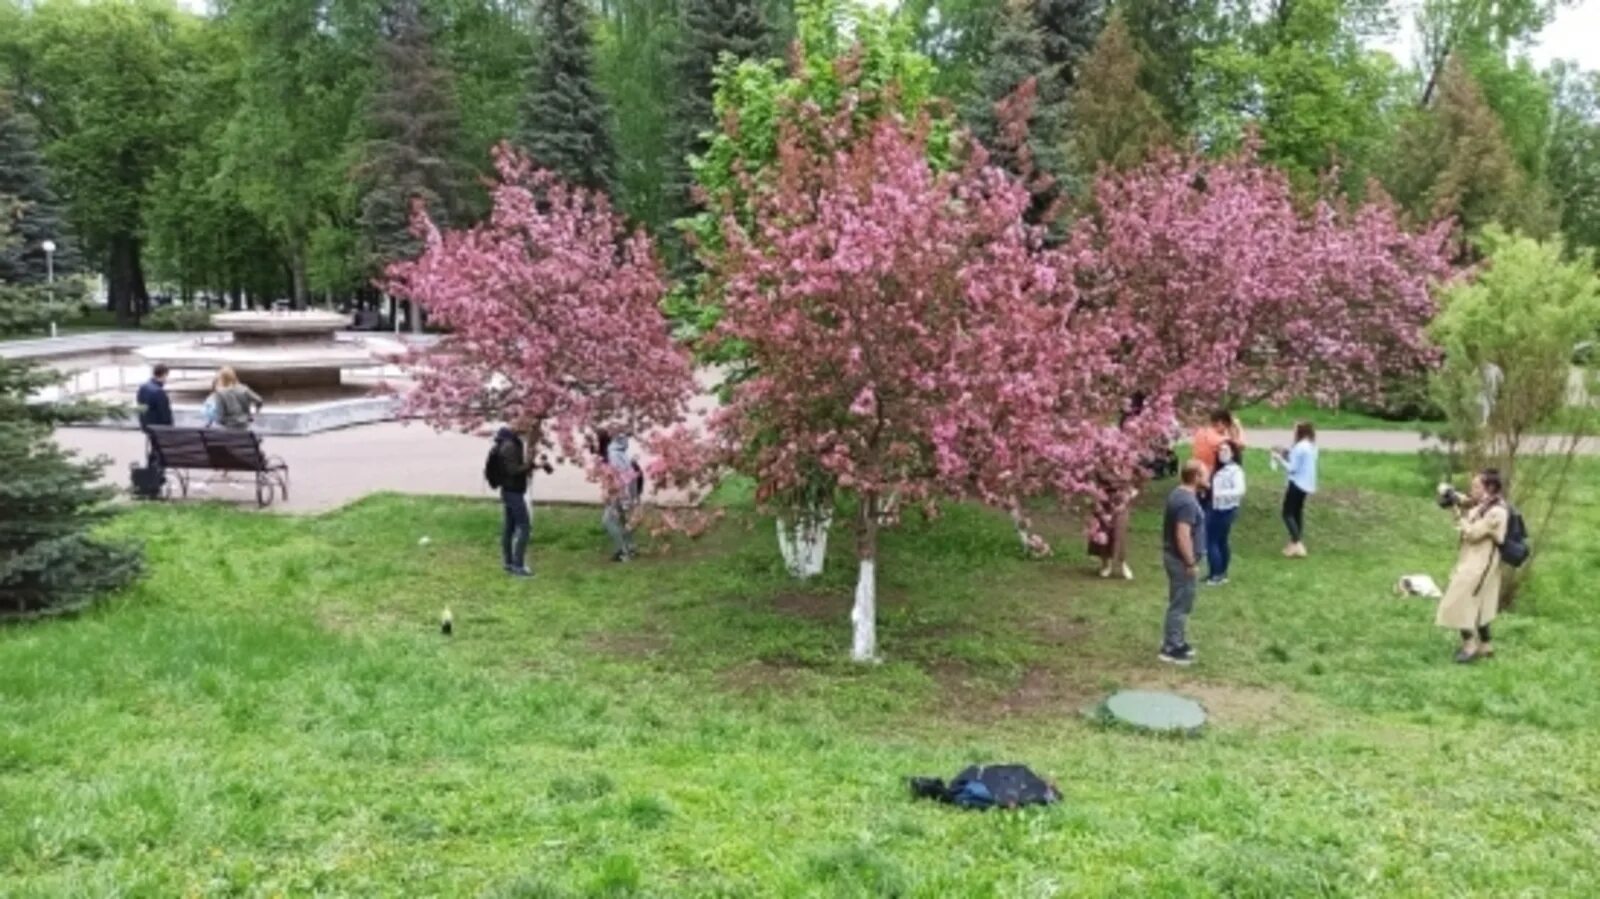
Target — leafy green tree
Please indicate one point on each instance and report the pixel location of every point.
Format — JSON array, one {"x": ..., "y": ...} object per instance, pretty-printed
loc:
[
  {"x": 1472, "y": 28},
  {"x": 104, "y": 118},
  {"x": 566, "y": 120},
  {"x": 37, "y": 213},
  {"x": 1574, "y": 163},
  {"x": 1115, "y": 122},
  {"x": 1300, "y": 73},
  {"x": 50, "y": 505},
  {"x": 411, "y": 153},
  {"x": 956, "y": 35},
  {"x": 1016, "y": 57},
  {"x": 1510, "y": 372},
  {"x": 294, "y": 136},
  {"x": 635, "y": 66}
]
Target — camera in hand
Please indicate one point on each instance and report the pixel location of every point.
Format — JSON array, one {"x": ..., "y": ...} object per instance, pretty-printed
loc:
[{"x": 1449, "y": 497}]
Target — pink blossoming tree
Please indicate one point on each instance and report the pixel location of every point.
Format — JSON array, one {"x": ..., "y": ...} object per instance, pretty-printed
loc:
[
  {"x": 908, "y": 337},
  {"x": 553, "y": 318}
]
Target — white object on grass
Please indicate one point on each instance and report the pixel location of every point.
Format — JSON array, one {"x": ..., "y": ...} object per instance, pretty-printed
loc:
[
  {"x": 1417, "y": 585},
  {"x": 424, "y": 541},
  {"x": 803, "y": 541}
]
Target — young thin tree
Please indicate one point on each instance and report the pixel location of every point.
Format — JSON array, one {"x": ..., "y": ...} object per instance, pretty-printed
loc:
[
  {"x": 566, "y": 120},
  {"x": 1511, "y": 372},
  {"x": 551, "y": 312}
]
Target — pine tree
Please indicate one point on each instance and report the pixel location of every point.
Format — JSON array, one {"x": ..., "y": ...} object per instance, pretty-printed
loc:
[
  {"x": 37, "y": 214},
  {"x": 710, "y": 30},
  {"x": 49, "y": 501},
  {"x": 415, "y": 130},
  {"x": 1115, "y": 122},
  {"x": 1015, "y": 56},
  {"x": 566, "y": 122},
  {"x": 1452, "y": 160},
  {"x": 1069, "y": 29}
]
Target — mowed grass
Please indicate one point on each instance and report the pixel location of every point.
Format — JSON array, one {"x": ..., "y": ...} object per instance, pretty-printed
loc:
[{"x": 274, "y": 712}]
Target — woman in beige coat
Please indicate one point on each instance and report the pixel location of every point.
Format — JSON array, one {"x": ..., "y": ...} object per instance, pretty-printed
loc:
[{"x": 1473, "y": 597}]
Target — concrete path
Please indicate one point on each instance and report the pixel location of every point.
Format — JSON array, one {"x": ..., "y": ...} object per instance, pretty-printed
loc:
[{"x": 331, "y": 469}]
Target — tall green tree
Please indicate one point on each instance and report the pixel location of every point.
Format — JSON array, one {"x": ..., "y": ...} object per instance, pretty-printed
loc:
[
  {"x": 566, "y": 120},
  {"x": 634, "y": 64},
  {"x": 1467, "y": 29},
  {"x": 1115, "y": 122},
  {"x": 37, "y": 214},
  {"x": 1301, "y": 73},
  {"x": 412, "y": 151},
  {"x": 1574, "y": 163},
  {"x": 296, "y": 131},
  {"x": 713, "y": 33},
  {"x": 51, "y": 559},
  {"x": 1016, "y": 56},
  {"x": 103, "y": 115}
]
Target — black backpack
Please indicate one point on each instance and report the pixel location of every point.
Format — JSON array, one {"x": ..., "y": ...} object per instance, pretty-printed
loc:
[
  {"x": 988, "y": 786},
  {"x": 494, "y": 468},
  {"x": 1514, "y": 550}
]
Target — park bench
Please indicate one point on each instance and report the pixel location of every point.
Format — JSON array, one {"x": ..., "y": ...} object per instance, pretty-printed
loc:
[{"x": 181, "y": 451}]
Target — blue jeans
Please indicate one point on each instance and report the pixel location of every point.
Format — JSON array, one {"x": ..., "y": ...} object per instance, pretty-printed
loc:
[
  {"x": 1219, "y": 523},
  {"x": 514, "y": 533}
]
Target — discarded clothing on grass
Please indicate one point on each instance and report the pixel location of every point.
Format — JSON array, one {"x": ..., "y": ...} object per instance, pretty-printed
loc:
[{"x": 988, "y": 786}]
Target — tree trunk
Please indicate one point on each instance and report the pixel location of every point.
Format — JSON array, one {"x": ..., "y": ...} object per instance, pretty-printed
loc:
[
  {"x": 864, "y": 617},
  {"x": 125, "y": 280},
  {"x": 416, "y": 316},
  {"x": 297, "y": 277}
]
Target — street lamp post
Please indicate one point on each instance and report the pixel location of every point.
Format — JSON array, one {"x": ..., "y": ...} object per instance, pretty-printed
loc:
[{"x": 49, "y": 248}]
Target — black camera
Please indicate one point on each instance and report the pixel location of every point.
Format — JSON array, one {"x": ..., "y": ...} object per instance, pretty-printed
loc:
[{"x": 1449, "y": 497}]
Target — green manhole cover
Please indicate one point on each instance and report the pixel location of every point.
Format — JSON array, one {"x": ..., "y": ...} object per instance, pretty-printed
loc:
[{"x": 1149, "y": 710}]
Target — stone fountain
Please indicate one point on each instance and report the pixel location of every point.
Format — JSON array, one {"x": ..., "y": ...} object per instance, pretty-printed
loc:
[
  {"x": 312, "y": 376},
  {"x": 273, "y": 352}
]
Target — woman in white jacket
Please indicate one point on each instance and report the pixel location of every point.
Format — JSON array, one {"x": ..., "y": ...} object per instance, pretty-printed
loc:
[{"x": 1227, "y": 494}]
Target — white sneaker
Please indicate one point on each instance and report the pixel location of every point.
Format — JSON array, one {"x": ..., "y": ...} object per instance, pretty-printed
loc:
[{"x": 1127, "y": 573}]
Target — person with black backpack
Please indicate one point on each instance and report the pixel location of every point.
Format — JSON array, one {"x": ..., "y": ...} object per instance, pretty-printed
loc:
[
  {"x": 1492, "y": 533},
  {"x": 507, "y": 470}
]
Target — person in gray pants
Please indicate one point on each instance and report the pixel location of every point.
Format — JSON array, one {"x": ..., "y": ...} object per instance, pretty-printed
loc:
[
  {"x": 622, "y": 495},
  {"x": 1182, "y": 535}
]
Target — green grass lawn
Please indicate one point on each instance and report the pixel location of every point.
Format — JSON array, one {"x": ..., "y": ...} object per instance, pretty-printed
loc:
[{"x": 273, "y": 712}]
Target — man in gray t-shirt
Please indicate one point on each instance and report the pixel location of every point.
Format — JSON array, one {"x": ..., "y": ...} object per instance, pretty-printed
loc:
[{"x": 1183, "y": 532}]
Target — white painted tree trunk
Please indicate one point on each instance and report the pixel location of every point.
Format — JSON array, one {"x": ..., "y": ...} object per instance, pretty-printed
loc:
[
  {"x": 864, "y": 648},
  {"x": 803, "y": 541},
  {"x": 1023, "y": 534}
]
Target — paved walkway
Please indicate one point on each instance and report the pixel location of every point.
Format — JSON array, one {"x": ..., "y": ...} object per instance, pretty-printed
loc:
[
  {"x": 333, "y": 468},
  {"x": 338, "y": 467}
]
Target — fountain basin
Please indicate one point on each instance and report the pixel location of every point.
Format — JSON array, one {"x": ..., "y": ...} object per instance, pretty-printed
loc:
[{"x": 276, "y": 351}]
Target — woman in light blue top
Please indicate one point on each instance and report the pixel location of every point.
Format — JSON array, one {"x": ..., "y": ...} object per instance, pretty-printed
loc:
[
  {"x": 1301, "y": 462},
  {"x": 1227, "y": 494}
]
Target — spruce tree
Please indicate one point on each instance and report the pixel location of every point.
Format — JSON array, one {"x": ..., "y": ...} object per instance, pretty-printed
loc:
[
  {"x": 50, "y": 503},
  {"x": 37, "y": 213},
  {"x": 1068, "y": 30},
  {"x": 1115, "y": 123},
  {"x": 415, "y": 128},
  {"x": 711, "y": 29},
  {"x": 1016, "y": 55},
  {"x": 566, "y": 120}
]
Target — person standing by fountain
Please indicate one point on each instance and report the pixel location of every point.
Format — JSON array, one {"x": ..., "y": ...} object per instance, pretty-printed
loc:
[{"x": 236, "y": 404}]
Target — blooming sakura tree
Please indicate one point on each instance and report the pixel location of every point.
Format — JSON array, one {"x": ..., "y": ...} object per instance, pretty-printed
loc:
[
  {"x": 552, "y": 314},
  {"x": 908, "y": 335},
  {"x": 1221, "y": 287}
]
